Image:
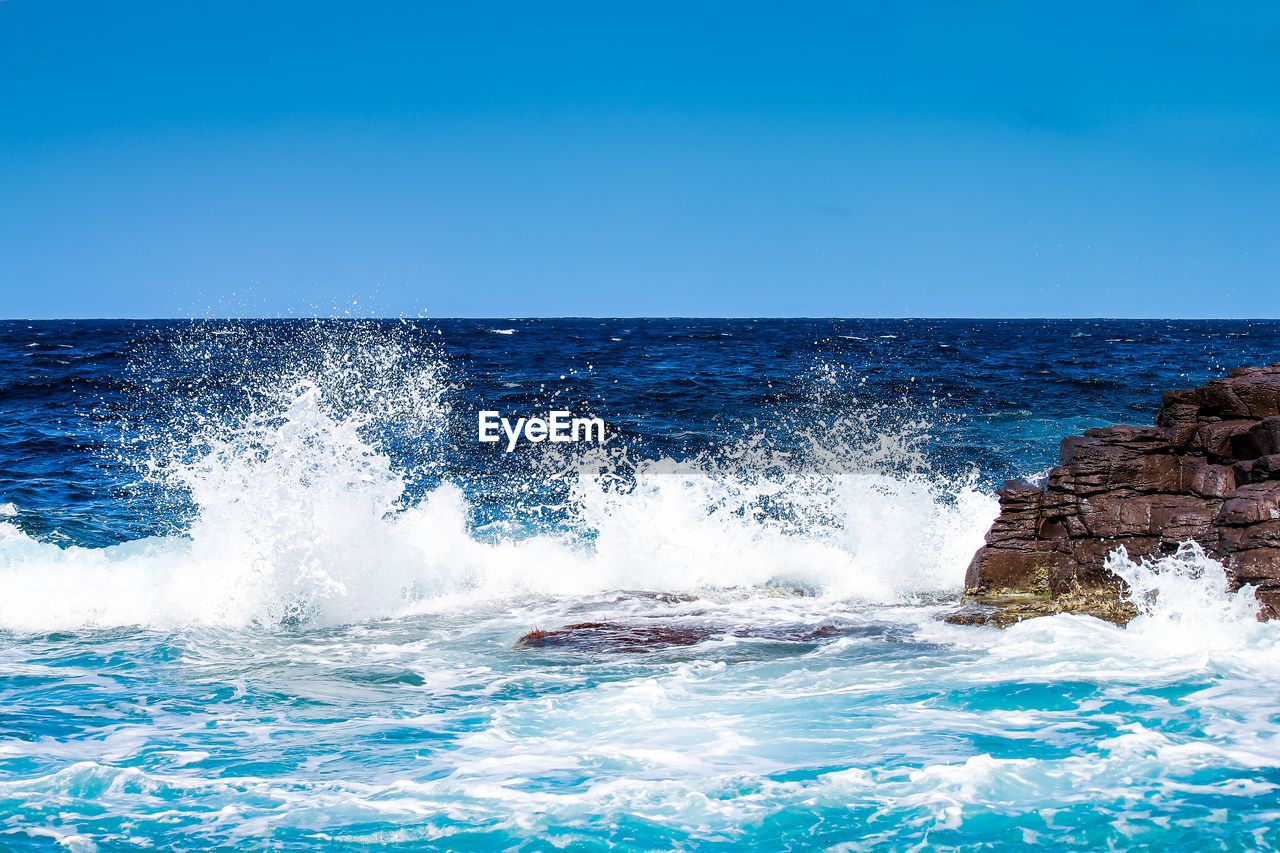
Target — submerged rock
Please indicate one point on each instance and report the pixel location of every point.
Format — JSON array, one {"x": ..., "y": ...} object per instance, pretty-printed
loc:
[
  {"x": 1208, "y": 471},
  {"x": 617, "y": 636},
  {"x": 651, "y": 634}
]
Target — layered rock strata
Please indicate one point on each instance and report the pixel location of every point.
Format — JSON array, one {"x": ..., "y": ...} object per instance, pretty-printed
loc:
[{"x": 1208, "y": 472}]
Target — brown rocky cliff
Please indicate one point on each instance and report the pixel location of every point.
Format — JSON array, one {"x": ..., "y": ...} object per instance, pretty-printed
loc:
[{"x": 1209, "y": 471}]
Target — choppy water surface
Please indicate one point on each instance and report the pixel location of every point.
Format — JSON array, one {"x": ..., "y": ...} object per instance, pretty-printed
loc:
[{"x": 260, "y": 587}]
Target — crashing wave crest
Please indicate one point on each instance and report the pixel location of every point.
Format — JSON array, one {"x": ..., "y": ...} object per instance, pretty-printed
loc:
[{"x": 302, "y": 520}]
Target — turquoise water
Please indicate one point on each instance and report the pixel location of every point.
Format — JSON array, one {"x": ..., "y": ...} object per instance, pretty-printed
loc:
[
  {"x": 288, "y": 613},
  {"x": 432, "y": 731}
]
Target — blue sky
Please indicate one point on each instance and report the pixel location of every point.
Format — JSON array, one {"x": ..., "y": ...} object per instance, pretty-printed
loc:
[{"x": 623, "y": 159}]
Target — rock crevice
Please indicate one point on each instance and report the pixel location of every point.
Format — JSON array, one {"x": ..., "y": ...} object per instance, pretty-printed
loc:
[{"x": 1208, "y": 471}]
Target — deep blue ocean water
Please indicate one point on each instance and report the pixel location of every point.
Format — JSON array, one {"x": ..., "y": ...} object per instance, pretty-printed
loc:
[{"x": 262, "y": 588}]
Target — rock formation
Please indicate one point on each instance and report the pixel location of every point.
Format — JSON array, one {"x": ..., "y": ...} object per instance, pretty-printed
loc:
[{"x": 1208, "y": 471}]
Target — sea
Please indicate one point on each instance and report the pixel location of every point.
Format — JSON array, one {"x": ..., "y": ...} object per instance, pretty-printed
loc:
[{"x": 263, "y": 588}]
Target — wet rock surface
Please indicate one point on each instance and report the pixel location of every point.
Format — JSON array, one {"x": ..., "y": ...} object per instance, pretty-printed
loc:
[
  {"x": 1208, "y": 471},
  {"x": 650, "y": 634},
  {"x": 616, "y": 636}
]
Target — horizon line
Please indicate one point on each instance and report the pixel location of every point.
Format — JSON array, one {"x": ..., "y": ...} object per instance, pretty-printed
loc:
[{"x": 505, "y": 319}]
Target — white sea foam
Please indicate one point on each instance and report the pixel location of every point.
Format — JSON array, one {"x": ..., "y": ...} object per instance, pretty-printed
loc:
[
  {"x": 300, "y": 521},
  {"x": 1187, "y": 587},
  {"x": 1066, "y": 725},
  {"x": 1189, "y": 620}
]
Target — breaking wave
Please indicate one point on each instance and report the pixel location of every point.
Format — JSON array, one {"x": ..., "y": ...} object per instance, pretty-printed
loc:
[{"x": 301, "y": 519}]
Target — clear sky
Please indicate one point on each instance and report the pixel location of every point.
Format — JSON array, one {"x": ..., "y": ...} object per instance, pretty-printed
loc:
[{"x": 949, "y": 158}]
